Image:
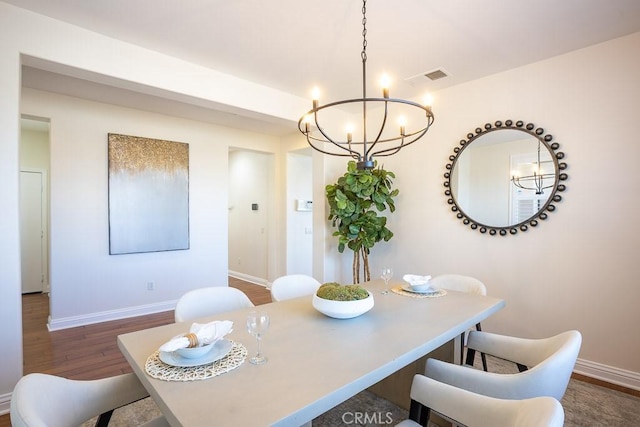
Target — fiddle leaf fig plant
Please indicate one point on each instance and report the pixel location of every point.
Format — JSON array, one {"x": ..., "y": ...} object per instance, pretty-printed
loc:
[{"x": 354, "y": 201}]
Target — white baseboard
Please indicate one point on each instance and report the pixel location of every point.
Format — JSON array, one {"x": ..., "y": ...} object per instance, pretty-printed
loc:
[
  {"x": 5, "y": 403},
  {"x": 106, "y": 316},
  {"x": 608, "y": 374},
  {"x": 250, "y": 279}
]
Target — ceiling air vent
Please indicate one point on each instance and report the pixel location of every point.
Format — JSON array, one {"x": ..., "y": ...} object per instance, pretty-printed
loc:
[
  {"x": 432, "y": 75},
  {"x": 435, "y": 75}
]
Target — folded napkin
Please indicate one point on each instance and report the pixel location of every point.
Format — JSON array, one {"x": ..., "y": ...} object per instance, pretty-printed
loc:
[
  {"x": 205, "y": 333},
  {"x": 415, "y": 279}
]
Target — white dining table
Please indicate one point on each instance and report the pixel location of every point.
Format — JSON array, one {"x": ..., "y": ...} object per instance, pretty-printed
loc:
[{"x": 314, "y": 362}]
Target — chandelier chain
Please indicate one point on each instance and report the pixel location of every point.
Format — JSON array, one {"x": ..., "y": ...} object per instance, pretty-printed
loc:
[{"x": 364, "y": 31}]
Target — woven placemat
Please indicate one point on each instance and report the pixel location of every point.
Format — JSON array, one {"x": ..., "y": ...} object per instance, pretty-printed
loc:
[
  {"x": 398, "y": 290},
  {"x": 156, "y": 368}
]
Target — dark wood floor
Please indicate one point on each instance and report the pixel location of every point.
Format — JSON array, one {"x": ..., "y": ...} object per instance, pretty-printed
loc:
[{"x": 89, "y": 352}]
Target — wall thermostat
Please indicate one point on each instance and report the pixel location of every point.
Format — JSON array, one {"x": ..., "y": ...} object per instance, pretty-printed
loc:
[{"x": 304, "y": 205}]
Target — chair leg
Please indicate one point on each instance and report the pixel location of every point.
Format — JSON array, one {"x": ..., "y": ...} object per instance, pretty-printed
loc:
[
  {"x": 462, "y": 348},
  {"x": 104, "y": 418},
  {"x": 471, "y": 355},
  {"x": 482, "y": 355},
  {"x": 419, "y": 413}
]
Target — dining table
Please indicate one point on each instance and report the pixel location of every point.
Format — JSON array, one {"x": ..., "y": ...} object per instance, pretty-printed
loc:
[{"x": 315, "y": 362}]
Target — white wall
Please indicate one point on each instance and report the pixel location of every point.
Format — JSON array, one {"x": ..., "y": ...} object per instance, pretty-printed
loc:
[
  {"x": 299, "y": 222},
  {"x": 34, "y": 149},
  {"x": 579, "y": 268},
  {"x": 85, "y": 280}
]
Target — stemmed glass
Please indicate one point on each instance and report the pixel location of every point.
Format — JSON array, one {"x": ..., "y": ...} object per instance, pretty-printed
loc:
[
  {"x": 387, "y": 274},
  {"x": 257, "y": 325}
]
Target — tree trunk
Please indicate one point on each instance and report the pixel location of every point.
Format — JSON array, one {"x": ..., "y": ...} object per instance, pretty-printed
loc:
[
  {"x": 355, "y": 268},
  {"x": 365, "y": 259}
]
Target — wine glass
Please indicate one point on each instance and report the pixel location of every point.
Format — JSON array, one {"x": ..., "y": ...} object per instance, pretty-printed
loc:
[
  {"x": 257, "y": 325},
  {"x": 387, "y": 274}
]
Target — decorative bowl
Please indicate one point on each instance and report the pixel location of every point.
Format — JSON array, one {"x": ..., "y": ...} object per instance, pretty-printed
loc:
[
  {"x": 194, "y": 352},
  {"x": 418, "y": 283},
  {"x": 342, "y": 309}
]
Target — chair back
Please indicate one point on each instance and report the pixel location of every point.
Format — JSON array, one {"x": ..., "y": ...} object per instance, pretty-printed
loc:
[
  {"x": 42, "y": 400},
  {"x": 209, "y": 301},
  {"x": 557, "y": 358},
  {"x": 477, "y": 410},
  {"x": 293, "y": 286},
  {"x": 460, "y": 283},
  {"x": 550, "y": 361}
]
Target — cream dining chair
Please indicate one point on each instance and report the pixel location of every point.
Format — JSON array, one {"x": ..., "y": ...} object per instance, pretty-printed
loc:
[
  {"x": 209, "y": 301},
  {"x": 42, "y": 400},
  {"x": 475, "y": 410},
  {"x": 546, "y": 365},
  {"x": 468, "y": 284},
  {"x": 293, "y": 286}
]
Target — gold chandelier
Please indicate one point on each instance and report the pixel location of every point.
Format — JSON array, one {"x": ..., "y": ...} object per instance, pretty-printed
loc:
[{"x": 386, "y": 142}]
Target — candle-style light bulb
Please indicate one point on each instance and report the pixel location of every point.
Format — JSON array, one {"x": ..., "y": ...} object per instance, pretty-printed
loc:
[
  {"x": 349, "y": 129},
  {"x": 402, "y": 121},
  {"x": 315, "y": 96},
  {"x": 385, "y": 82},
  {"x": 306, "y": 121},
  {"x": 428, "y": 101}
]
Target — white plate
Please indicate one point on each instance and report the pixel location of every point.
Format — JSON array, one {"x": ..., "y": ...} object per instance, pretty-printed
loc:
[
  {"x": 408, "y": 288},
  {"x": 219, "y": 350}
]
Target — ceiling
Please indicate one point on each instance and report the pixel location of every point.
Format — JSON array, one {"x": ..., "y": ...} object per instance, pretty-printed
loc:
[{"x": 293, "y": 45}]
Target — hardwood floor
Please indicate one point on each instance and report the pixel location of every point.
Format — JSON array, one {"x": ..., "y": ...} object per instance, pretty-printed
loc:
[{"x": 90, "y": 352}]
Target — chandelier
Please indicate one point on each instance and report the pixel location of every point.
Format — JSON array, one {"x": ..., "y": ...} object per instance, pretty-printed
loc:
[
  {"x": 386, "y": 142},
  {"x": 536, "y": 181}
]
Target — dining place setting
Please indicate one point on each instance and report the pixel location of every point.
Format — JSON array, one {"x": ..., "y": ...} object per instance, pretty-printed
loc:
[
  {"x": 205, "y": 351},
  {"x": 416, "y": 286}
]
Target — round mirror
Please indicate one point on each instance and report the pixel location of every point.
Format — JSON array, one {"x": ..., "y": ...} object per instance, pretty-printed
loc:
[{"x": 505, "y": 177}]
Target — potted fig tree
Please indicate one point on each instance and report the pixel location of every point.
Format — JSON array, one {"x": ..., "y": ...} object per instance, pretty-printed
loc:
[{"x": 354, "y": 201}]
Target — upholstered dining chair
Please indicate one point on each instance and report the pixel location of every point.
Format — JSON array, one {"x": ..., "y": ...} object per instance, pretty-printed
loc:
[
  {"x": 468, "y": 284},
  {"x": 545, "y": 366},
  {"x": 293, "y": 286},
  {"x": 42, "y": 400},
  {"x": 475, "y": 410},
  {"x": 209, "y": 301}
]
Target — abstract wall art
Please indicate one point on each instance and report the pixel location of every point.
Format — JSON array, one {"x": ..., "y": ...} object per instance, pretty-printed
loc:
[{"x": 148, "y": 195}]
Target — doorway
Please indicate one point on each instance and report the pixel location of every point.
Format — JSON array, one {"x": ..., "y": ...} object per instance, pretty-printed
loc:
[
  {"x": 34, "y": 204},
  {"x": 251, "y": 218}
]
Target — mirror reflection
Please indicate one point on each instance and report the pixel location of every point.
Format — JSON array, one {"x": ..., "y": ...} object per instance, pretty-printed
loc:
[{"x": 504, "y": 177}]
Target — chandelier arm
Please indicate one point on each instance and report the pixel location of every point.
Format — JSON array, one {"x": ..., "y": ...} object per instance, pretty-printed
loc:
[
  {"x": 393, "y": 150},
  {"x": 307, "y": 132},
  {"x": 418, "y": 134},
  {"x": 382, "y": 126},
  {"x": 312, "y": 145}
]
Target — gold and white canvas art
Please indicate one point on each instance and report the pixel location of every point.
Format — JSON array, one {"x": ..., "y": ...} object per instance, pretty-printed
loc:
[{"x": 148, "y": 195}]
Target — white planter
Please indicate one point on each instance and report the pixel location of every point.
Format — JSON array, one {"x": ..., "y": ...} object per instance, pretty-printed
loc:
[{"x": 342, "y": 309}]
